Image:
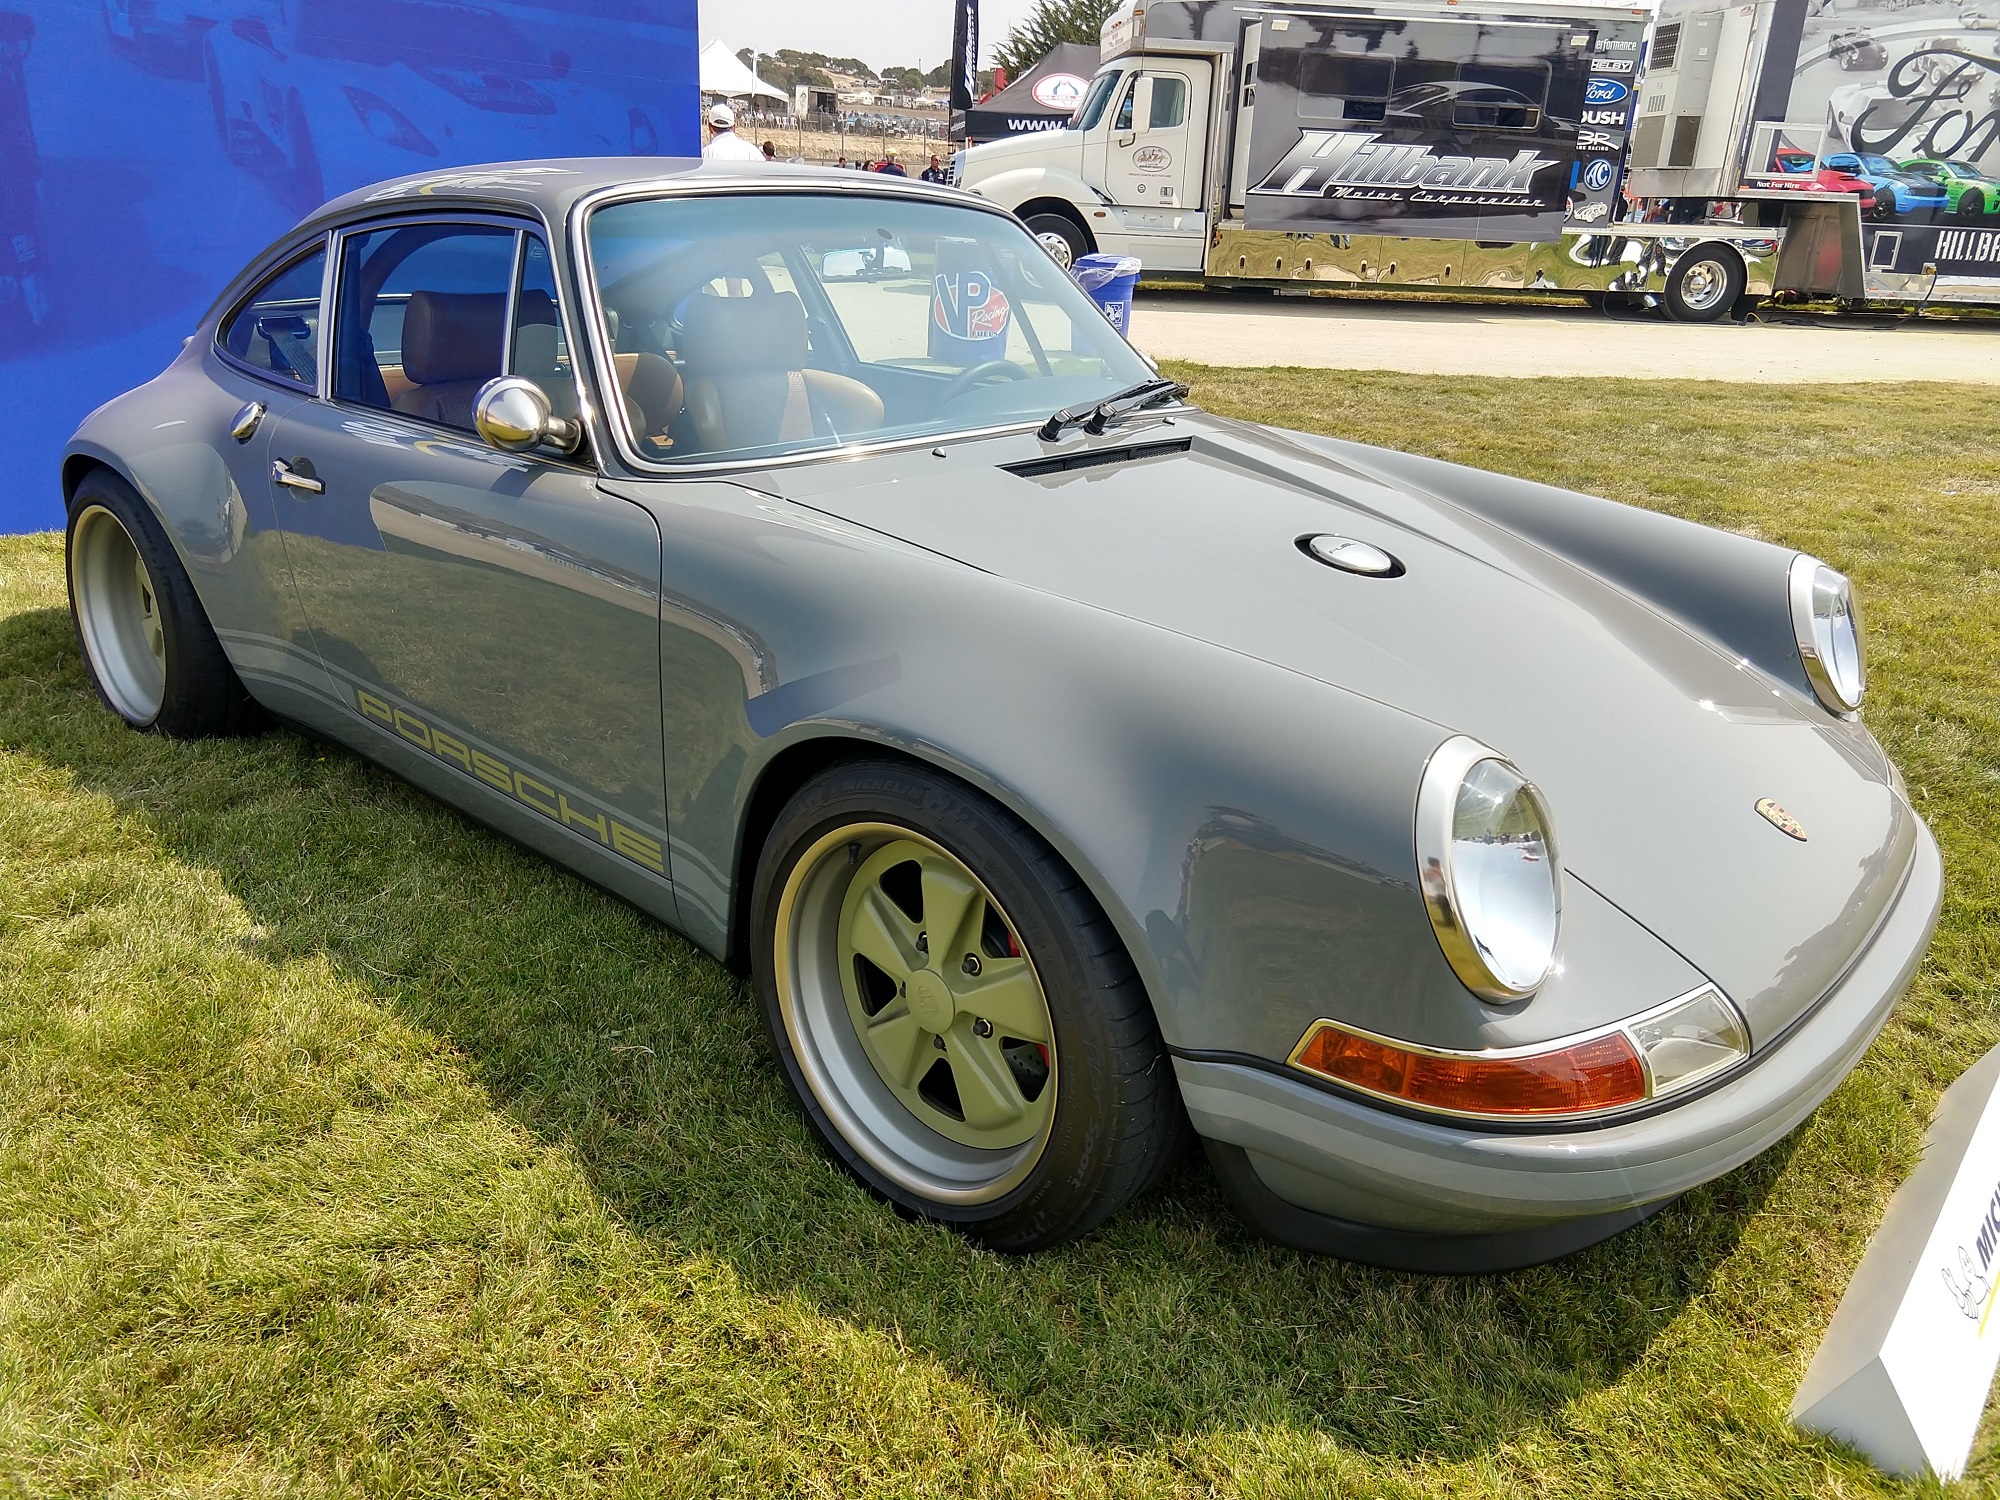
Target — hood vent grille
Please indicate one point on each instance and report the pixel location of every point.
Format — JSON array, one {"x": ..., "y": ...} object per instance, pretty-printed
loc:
[{"x": 1097, "y": 458}]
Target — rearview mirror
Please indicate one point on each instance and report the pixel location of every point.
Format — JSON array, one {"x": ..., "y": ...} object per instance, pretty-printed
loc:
[
  {"x": 1142, "y": 105},
  {"x": 864, "y": 264},
  {"x": 515, "y": 415}
]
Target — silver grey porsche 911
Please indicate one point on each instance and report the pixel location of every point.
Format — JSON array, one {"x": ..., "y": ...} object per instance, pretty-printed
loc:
[{"x": 1475, "y": 866}]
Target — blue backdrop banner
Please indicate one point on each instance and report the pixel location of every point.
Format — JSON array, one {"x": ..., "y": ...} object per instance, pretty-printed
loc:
[{"x": 148, "y": 148}]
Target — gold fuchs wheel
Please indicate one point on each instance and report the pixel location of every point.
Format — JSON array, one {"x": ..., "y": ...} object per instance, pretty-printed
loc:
[
  {"x": 149, "y": 648},
  {"x": 954, "y": 1012}
]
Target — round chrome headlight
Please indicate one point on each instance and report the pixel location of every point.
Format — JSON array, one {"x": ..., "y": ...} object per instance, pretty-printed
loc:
[
  {"x": 1486, "y": 859},
  {"x": 1828, "y": 626}
]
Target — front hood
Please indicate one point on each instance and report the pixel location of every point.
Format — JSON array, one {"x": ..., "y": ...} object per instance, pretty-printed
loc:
[
  {"x": 1653, "y": 745},
  {"x": 991, "y": 158}
]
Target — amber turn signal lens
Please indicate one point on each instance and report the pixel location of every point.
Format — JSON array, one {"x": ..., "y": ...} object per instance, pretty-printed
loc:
[{"x": 1602, "y": 1073}]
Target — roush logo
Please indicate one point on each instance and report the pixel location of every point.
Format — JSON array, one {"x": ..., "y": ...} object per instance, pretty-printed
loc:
[
  {"x": 1353, "y": 164},
  {"x": 1605, "y": 91},
  {"x": 1604, "y": 117}
]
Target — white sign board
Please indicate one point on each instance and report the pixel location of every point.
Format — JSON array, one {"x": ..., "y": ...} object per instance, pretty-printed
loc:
[{"x": 1903, "y": 1371}]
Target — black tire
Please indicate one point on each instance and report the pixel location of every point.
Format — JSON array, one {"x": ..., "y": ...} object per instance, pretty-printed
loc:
[
  {"x": 1885, "y": 205},
  {"x": 1117, "y": 1122},
  {"x": 201, "y": 696},
  {"x": 1051, "y": 228},
  {"x": 1704, "y": 285},
  {"x": 1971, "y": 206}
]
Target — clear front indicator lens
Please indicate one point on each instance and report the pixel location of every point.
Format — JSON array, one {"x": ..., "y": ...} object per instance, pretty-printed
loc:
[
  {"x": 1690, "y": 1041},
  {"x": 1664, "y": 1052},
  {"x": 1827, "y": 624},
  {"x": 1486, "y": 858}
]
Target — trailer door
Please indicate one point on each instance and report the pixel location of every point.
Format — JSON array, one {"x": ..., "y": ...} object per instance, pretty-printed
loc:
[{"x": 1158, "y": 141}]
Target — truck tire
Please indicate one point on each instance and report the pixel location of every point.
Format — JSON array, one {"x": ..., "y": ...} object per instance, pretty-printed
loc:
[
  {"x": 1061, "y": 236},
  {"x": 1704, "y": 284}
]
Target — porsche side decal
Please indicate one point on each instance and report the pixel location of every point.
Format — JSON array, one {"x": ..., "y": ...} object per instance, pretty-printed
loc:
[{"x": 528, "y": 790}]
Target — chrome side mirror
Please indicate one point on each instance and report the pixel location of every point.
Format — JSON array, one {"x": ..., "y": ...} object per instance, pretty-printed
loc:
[{"x": 514, "y": 415}]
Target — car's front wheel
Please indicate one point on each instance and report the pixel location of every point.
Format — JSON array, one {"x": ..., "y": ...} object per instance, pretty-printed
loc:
[
  {"x": 1886, "y": 206},
  {"x": 1971, "y": 206},
  {"x": 149, "y": 648},
  {"x": 955, "y": 1013}
]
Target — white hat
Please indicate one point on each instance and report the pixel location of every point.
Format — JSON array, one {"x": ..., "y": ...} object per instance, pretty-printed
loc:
[{"x": 722, "y": 117}]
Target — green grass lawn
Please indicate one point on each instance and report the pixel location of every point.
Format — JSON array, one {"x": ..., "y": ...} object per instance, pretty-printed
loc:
[{"x": 347, "y": 1149}]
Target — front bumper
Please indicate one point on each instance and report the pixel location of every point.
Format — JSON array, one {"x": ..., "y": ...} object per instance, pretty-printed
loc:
[{"x": 1325, "y": 1172}]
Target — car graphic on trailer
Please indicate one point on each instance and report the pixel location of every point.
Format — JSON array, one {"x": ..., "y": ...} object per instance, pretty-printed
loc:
[
  {"x": 1969, "y": 193},
  {"x": 1475, "y": 866}
]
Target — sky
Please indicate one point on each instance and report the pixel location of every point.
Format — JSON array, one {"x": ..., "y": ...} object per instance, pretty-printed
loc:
[{"x": 882, "y": 33}]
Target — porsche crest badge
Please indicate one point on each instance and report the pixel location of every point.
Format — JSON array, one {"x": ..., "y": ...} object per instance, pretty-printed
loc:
[{"x": 1781, "y": 820}]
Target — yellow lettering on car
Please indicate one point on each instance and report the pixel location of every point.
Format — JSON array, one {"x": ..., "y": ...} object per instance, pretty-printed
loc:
[
  {"x": 638, "y": 848},
  {"x": 571, "y": 818},
  {"x": 522, "y": 781},
  {"x": 524, "y": 788}
]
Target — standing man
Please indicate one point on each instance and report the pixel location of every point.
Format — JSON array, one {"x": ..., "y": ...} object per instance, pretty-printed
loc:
[
  {"x": 891, "y": 167},
  {"x": 724, "y": 144},
  {"x": 935, "y": 172}
]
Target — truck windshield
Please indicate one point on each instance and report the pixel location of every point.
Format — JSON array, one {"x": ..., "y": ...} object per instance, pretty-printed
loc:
[
  {"x": 1091, "y": 110},
  {"x": 805, "y": 321}
]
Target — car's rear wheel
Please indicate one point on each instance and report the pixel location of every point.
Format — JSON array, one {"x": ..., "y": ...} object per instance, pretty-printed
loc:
[
  {"x": 149, "y": 648},
  {"x": 954, "y": 1011},
  {"x": 1061, "y": 236},
  {"x": 1704, "y": 285}
]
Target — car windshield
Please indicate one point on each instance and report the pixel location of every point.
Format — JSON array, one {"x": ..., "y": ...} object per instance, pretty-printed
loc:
[
  {"x": 804, "y": 321},
  {"x": 1963, "y": 168},
  {"x": 1879, "y": 164}
]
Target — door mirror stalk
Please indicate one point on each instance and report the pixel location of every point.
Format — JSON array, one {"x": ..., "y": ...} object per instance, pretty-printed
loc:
[{"x": 514, "y": 415}]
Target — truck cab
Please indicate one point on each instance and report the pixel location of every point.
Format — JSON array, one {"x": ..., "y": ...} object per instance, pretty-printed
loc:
[{"x": 1130, "y": 173}]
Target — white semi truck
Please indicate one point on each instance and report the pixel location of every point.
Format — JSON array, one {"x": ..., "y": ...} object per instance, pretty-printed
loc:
[{"x": 1513, "y": 146}]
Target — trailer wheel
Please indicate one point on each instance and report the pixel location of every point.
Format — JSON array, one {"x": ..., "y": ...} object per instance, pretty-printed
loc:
[
  {"x": 1704, "y": 284},
  {"x": 1060, "y": 235}
]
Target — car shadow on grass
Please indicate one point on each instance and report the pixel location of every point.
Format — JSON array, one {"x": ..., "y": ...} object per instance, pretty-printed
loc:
[{"x": 598, "y": 1030}]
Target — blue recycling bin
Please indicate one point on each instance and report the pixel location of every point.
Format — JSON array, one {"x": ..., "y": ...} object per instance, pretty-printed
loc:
[{"x": 1109, "y": 280}]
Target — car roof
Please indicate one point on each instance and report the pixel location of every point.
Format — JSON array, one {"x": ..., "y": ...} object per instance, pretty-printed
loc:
[{"x": 551, "y": 187}]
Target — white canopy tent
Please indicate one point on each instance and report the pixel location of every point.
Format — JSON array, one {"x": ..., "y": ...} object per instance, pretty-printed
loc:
[{"x": 724, "y": 76}]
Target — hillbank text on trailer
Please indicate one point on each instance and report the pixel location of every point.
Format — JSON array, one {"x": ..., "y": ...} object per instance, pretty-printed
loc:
[{"x": 1436, "y": 146}]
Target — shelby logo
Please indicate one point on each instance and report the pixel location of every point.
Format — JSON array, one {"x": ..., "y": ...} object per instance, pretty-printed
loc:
[
  {"x": 1973, "y": 247},
  {"x": 1351, "y": 164},
  {"x": 1611, "y": 65}
]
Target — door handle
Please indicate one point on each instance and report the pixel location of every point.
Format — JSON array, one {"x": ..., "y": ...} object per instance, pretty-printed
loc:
[{"x": 283, "y": 473}]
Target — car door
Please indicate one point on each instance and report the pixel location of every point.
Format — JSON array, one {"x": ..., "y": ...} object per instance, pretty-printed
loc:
[
  {"x": 264, "y": 363},
  {"x": 1154, "y": 152},
  {"x": 490, "y": 618}
]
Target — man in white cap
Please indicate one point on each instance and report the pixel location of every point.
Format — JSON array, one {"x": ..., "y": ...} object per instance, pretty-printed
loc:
[{"x": 724, "y": 144}]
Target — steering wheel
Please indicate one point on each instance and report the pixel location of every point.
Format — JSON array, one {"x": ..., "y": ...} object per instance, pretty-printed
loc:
[{"x": 965, "y": 380}]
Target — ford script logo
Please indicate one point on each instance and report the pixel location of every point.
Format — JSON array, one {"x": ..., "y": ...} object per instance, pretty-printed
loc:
[
  {"x": 1605, "y": 91},
  {"x": 1597, "y": 176}
]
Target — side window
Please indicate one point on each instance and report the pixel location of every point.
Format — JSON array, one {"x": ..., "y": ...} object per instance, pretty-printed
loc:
[
  {"x": 1124, "y": 119},
  {"x": 276, "y": 329},
  {"x": 540, "y": 350},
  {"x": 1344, "y": 86},
  {"x": 1500, "y": 96},
  {"x": 1169, "y": 101},
  {"x": 423, "y": 318}
]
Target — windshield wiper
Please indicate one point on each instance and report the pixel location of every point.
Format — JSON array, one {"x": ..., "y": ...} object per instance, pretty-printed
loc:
[{"x": 1100, "y": 414}]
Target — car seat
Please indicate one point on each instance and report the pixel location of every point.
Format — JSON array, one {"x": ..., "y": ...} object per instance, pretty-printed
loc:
[{"x": 748, "y": 385}]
